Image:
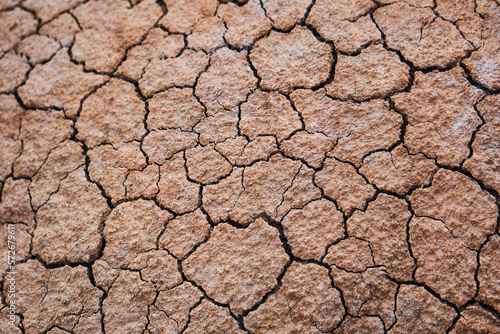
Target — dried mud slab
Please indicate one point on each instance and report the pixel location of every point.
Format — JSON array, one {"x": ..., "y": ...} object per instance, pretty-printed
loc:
[
  {"x": 14, "y": 25},
  {"x": 441, "y": 115},
  {"x": 181, "y": 71},
  {"x": 345, "y": 23},
  {"x": 351, "y": 254},
  {"x": 219, "y": 199},
  {"x": 268, "y": 114},
  {"x": 11, "y": 115},
  {"x": 475, "y": 319},
  {"x": 184, "y": 233},
  {"x": 63, "y": 297},
  {"x": 176, "y": 192},
  {"x": 10, "y": 150},
  {"x": 9, "y": 3},
  {"x": 422, "y": 38},
  {"x": 132, "y": 228},
  {"x": 38, "y": 48},
  {"x": 110, "y": 165},
  {"x": 284, "y": 14},
  {"x": 383, "y": 225},
  {"x": 454, "y": 12},
  {"x": 238, "y": 266},
  {"x": 113, "y": 114},
  {"x": 308, "y": 147},
  {"x": 362, "y": 325},
  {"x": 293, "y": 308},
  {"x": 48, "y": 9},
  {"x": 375, "y": 73},
  {"x": 58, "y": 238},
  {"x": 62, "y": 28},
  {"x": 489, "y": 290},
  {"x": 435, "y": 249},
  {"x": 60, "y": 84},
  {"x": 158, "y": 44},
  {"x": 131, "y": 291},
  {"x": 212, "y": 319},
  {"x": 205, "y": 165},
  {"x": 358, "y": 128},
  {"x": 157, "y": 267},
  {"x": 207, "y": 34},
  {"x": 227, "y": 82},
  {"x": 174, "y": 306},
  {"x": 261, "y": 148},
  {"x": 232, "y": 148},
  {"x": 219, "y": 127},
  {"x": 274, "y": 58},
  {"x": 159, "y": 321},
  {"x": 471, "y": 26},
  {"x": 16, "y": 206},
  {"x": 311, "y": 229},
  {"x": 302, "y": 191},
  {"x": 264, "y": 184},
  {"x": 484, "y": 162},
  {"x": 182, "y": 15},
  {"x": 162, "y": 145},
  {"x": 398, "y": 171},
  {"x": 244, "y": 24},
  {"x": 104, "y": 274},
  {"x": 341, "y": 182},
  {"x": 174, "y": 108},
  {"x": 469, "y": 212},
  {"x": 13, "y": 68},
  {"x": 418, "y": 311},
  {"x": 65, "y": 158},
  {"x": 367, "y": 293},
  {"x": 142, "y": 183},
  {"x": 38, "y": 142},
  {"x": 484, "y": 63},
  {"x": 111, "y": 27}
]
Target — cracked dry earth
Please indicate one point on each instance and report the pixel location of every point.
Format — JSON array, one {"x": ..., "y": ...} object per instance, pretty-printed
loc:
[{"x": 272, "y": 166}]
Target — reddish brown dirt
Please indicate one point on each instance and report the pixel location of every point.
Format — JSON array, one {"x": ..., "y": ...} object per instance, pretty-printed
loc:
[{"x": 252, "y": 166}]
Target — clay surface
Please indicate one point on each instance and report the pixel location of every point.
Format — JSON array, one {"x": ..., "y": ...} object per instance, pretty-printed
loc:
[
  {"x": 275, "y": 59},
  {"x": 482, "y": 164},
  {"x": 293, "y": 309},
  {"x": 249, "y": 166},
  {"x": 424, "y": 39},
  {"x": 440, "y": 126},
  {"x": 228, "y": 272},
  {"x": 375, "y": 73},
  {"x": 345, "y": 23},
  {"x": 471, "y": 213}
]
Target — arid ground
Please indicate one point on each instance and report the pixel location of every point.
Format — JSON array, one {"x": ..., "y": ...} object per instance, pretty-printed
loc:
[{"x": 260, "y": 166}]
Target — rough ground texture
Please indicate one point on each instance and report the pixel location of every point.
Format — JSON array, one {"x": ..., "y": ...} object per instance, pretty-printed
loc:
[{"x": 250, "y": 166}]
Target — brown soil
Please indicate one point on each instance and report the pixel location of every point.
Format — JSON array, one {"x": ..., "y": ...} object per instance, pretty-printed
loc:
[{"x": 252, "y": 166}]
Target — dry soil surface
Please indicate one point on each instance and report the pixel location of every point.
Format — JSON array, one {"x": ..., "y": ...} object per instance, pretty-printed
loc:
[{"x": 260, "y": 166}]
